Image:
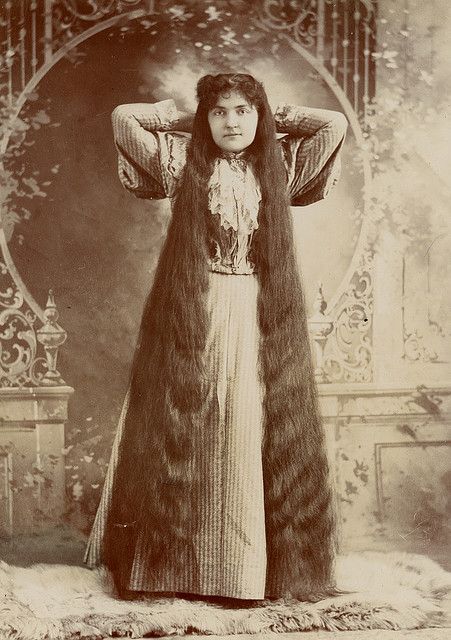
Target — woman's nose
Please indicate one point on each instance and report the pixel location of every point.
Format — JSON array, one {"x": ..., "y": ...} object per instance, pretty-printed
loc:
[{"x": 231, "y": 119}]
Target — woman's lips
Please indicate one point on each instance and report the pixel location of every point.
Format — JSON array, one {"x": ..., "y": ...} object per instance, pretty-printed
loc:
[{"x": 232, "y": 135}]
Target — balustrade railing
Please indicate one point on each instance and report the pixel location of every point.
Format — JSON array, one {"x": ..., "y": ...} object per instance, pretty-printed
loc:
[{"x": 339, "y": 33}]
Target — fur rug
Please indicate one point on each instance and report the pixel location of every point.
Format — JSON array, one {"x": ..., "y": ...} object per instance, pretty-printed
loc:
[{"x": 389, "y": 591}]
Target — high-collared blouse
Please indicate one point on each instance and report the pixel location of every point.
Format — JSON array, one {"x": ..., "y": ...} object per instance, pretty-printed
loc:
[{"x": 152, "y": 154}]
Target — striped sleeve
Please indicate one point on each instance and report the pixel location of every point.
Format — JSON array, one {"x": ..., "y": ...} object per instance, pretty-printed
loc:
[
  {"x": 311, "y": 149},
  {"x": 137, "y": 130}
]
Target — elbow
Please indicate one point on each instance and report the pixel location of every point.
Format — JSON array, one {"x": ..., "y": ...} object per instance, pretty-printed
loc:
[
  {"x": 118, "y": 114},
  {"x": 117, "y": 121},
  {"x": 122, "y": 114}
]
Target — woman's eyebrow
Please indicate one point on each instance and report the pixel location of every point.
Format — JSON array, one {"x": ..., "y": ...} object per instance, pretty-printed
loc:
[{"x": 238, "y": 106}]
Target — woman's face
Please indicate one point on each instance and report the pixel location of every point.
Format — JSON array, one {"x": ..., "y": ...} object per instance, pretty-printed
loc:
[{"x": 233, "y": 122}]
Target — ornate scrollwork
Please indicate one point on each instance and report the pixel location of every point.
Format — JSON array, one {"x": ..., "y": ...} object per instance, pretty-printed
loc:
[
  {"x": 17, "y": 338},
  {"x": 71, "y": 17},
  {"x": 20, "y": 363},
  {"x": 297, "y": 18},
  {"x": 10, "y": 297},
  {"x": 348, "y": 352},
  {"x": 94, "y": 10},
  {"x": 415, "y": 348}
]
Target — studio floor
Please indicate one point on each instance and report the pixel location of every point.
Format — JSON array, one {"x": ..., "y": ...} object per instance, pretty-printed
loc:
[{"x": 66, "y": 546}]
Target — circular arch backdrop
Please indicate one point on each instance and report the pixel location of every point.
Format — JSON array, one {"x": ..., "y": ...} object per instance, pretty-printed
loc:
[{"x": 97, "y": 246}]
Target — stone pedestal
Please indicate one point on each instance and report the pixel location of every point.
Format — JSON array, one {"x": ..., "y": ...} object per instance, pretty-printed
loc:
[
  {"x": 390, "y": 448},
  {"x": 32, "y": 478}
]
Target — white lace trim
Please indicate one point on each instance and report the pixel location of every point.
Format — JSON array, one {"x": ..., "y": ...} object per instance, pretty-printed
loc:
[{"x": 234, "y": 195}]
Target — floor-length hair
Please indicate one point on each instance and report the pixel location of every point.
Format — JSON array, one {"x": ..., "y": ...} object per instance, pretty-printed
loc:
[{"x": 155, "y": 481}]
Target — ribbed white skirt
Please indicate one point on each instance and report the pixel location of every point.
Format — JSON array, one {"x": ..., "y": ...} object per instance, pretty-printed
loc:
[{"x": 230, "y": 547}]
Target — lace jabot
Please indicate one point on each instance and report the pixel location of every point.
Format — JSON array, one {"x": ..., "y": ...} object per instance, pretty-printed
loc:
[{"x": 234, "y": 195}]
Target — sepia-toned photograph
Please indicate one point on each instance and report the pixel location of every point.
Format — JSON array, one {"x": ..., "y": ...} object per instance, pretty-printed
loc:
[{"x": 225, "y": 319}]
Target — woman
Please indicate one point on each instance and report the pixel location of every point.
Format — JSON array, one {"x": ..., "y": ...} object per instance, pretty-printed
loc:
[{"x": 218, "y": 483}]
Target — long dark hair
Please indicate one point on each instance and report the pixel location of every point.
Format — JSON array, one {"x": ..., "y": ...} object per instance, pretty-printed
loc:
[{"x": 155, "y": 480}]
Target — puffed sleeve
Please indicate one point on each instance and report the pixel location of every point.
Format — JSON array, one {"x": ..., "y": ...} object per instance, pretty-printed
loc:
[
  {"x": 311, "y": 150},
  {"x": 150, "y": 156}
]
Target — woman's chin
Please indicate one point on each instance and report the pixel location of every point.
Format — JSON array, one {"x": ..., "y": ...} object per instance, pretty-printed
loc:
[{"x": 233, "y": 144}]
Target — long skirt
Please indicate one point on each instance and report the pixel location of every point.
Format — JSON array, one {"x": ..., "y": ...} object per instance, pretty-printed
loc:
[{"x": 230, "y": 545}]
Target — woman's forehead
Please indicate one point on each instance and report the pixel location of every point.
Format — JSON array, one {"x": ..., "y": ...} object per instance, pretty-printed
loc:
[{"x": 231, "y": 100}]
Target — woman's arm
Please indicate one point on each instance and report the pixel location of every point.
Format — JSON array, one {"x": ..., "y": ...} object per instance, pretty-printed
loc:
[
  {"x": 136, "y": 129},
  {"x": 311, "y": 150}
]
